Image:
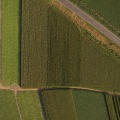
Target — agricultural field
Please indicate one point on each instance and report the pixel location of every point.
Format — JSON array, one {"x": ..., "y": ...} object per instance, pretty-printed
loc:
[
  {"x": 34, "y": 43},
  {"x": 29, "y": 105},
  {"x": 55, "y": 57},
  {"x": 113, "y": 106},
  {"x": 58, "y": 105},
  {"x": 10, "y": 42},
  {"x": 90, "y": 105},
  {"x": 63, "y": 50},
  {"x": 8, "y": 107},
  {"x": 105, "y": 11}
]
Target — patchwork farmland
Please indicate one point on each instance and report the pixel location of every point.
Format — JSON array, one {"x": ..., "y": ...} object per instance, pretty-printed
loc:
[
  {"x": 82, "y": 104},
  {"x": 76, "y": 59},
  {"x": 50, "y": 64},
  {"x": 60, "y": 103},
  {"x": 105, "y": 11}
]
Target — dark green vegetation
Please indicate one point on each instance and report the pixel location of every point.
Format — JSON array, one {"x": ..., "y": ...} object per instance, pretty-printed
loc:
[
  {"x": 55, "y": 52},
  {"x": 10, "y": 42},
  {"x": 59, "y": 105},
  {"x": 29, "y": 105},
  {"x": 64, "y": 46},
  {"x": 90, "y": 105},
  {"x": 34, "y": 43},
  {"x": 113, "y": 103},
  {"x": 8, "y": 107},
  {"x": 105, "y": 11}
]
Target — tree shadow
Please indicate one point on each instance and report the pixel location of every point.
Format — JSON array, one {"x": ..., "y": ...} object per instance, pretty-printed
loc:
[{"x": 42, "y": 104}]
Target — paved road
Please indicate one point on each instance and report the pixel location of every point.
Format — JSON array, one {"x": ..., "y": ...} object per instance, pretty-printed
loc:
[{"x": 90, "y": 20}]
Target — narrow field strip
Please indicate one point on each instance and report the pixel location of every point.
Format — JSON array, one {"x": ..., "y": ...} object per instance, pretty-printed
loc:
[
  {"x": 0, "y": 45},
  {"x": 15, "y": 92},
  {"x": 116, "y": 106},
  {"x": 10, "y": 42}
]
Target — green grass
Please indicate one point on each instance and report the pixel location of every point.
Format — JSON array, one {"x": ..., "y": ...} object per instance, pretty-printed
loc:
[
  {"x": 10, "y": 42},
  {"x": 90, "y": 105},
  {"x": 29, "y": 105},
  {"x": 34, "y": 43},
  {"x": 59, "y": 105},
  {"x": 105, "y": 11},
  {"x": 8, "y": 107}
]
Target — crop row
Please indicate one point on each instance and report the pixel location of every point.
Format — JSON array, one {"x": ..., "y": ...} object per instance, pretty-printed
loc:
[{"x": 116, "y": 103}]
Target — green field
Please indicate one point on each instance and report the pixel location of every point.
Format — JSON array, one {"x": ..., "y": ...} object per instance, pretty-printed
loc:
[
  {"x": 34, "y": 43},
  {"x": 90, "y": 105},
  {"x": 29, "y": 105},
  {"x": 59, "y": 105},
  {"x": 52, "y": 56},
  {"x": 10, "y": 42},
  {"x": 105, "y": 11},
  {"x": 64, "y": 46},
  {"x": 8, "y": 107}
]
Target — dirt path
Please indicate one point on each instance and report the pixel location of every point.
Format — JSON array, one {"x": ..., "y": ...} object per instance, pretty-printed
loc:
[{"x": 16, "y": 88}]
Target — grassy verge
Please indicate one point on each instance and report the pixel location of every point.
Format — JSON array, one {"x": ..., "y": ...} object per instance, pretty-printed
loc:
[
  {"x": 90, "y": 105},
  {"x": 59, "y": 105},
  {"x": 8, "y": 108},
  {"x": 10, "y": 42},
  {"x": 103, "y": 11},
  {"x": 0, "y": 47},
  {"x": 29, "y": 105}
]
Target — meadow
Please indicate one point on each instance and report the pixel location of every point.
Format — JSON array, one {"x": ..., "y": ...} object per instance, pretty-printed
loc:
[
  {"x": 60, "y": 103},
  {"x": 8, "y": 107},
  {"x": 105, "y": 11},
  {"x": 90, "y": 105},
  {"x": 29, "y": 105},
  {"x": 10, "y": 42}
]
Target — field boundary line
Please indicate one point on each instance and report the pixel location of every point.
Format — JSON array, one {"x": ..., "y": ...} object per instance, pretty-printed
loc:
[{"x": 71, "y": 92}]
